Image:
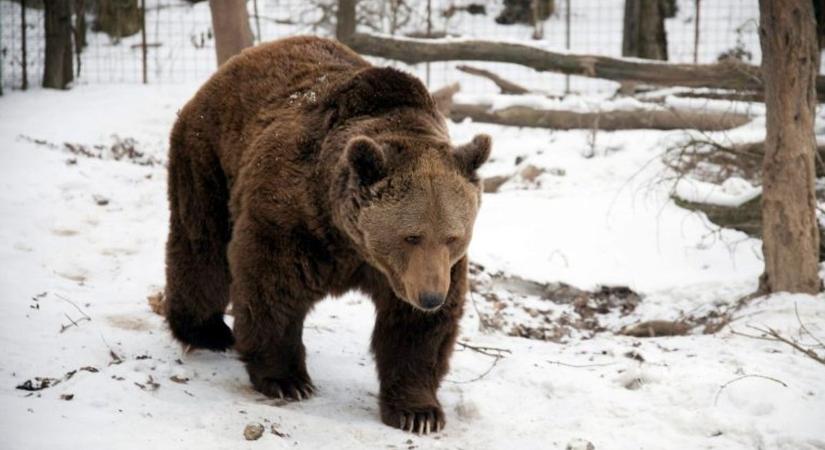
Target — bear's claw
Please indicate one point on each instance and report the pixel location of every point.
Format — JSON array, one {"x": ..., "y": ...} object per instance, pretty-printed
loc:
[
  {"x": 291, "y": 389},
  {"x": 421, "y": 422}
]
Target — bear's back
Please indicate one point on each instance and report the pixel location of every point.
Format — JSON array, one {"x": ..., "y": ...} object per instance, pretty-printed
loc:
[{"x": 260, "y": 83}]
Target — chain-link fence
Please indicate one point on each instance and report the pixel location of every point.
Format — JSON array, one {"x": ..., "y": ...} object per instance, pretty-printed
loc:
[{"x": 180, "y": 44}]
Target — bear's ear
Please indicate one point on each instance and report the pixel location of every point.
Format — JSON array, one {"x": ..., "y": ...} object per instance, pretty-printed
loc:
[
  {"x": 472, "y": 155},
  {"x": 366, "y": 160}
]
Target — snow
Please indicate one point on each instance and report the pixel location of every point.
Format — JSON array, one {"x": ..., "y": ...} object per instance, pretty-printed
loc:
[
  {"x": 732, "y": 193},
  {"x": 83, "y": 228},
  {"x": 596, "y": 216}
]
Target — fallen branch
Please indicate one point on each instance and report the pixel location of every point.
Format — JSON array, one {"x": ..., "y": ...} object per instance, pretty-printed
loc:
[
  {"x": 580, "y": 366},
  {"x": 443, "y": 97},
  {"x": 724, "y": 75},
  {"x": 655, "y": 328},
  {"x": 656, "y": 119},
  {"x": 773, "y": 335},
  {"x": 506, "y": 86},
  {"x": 499, "y": 352}
]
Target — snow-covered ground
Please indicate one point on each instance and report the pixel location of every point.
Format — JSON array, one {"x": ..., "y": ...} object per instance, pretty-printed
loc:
[{"x": 82, "y": 237}]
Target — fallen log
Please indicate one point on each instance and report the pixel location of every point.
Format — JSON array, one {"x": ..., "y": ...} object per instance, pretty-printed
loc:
[
  {"x": 443, "y": 97},
  {"x": 657, "y": 119},
  {"x": 724, "y": 75},
  {"x": 746, "y": 217}
]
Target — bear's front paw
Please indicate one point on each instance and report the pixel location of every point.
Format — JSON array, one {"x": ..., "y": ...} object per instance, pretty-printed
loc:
[
  {"x": 287, "y": 388},
  {"x": 420, "y": 420}
]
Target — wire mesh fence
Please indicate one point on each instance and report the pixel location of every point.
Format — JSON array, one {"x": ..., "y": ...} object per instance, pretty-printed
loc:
[{"x": 180, "y": 44}]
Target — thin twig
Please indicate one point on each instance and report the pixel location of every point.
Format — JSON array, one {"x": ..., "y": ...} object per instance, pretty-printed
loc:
[
  {"x": 482, "y": 319},
  {"x": 74, "y": 322},
  {"x": 482, "y": 375},
  {"x": 719, "y": 392},
  {"x": 804, "y": 328},
  {"x": 580, "y": 366}
]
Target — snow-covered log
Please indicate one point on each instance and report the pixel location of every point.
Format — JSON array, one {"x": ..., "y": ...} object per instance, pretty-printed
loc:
[
  {"x": 746, "y": 217},
  {"x": 656, "y": 119}
]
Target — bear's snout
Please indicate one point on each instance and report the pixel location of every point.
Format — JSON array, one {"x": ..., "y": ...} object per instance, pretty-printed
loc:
[{"x": 430, "y": 300}]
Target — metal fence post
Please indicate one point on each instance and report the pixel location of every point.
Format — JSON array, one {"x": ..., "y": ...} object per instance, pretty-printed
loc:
[
  {"x": 257, "y": 19},
  {"x": 25, "y": 57},
  {"x": 696, "y": 34},
  {"x": 567, "y": 43},
  {"x": 143, "y": 49}
]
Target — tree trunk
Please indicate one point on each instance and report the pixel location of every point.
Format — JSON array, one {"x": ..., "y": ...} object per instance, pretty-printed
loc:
[
  {"x": 525, "y": 11},
  {"x": 57, "y": 67},
  {"x": 790, "y": 61},
  {"x": 230, "y": 21},
  {"x": 644, "y": 29},
  {"x": 118, "y": 18}
]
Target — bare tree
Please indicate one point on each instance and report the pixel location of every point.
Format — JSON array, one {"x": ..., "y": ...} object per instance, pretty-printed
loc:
[
  {"x": 790, "y": 61},
  {"x": 230, "y": 22},
  {"x": 118, "y": 18},
  {"x": 644, "y": 29},
  {"x": 57, "y": 67}
]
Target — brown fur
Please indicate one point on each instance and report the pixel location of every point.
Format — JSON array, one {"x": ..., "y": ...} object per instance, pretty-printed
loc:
[{"x": 299, "y": 171}]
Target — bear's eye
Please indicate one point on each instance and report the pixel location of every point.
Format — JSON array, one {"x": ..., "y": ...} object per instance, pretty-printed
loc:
[
  {"x": 413, "y": 240},
  {"x": 452, "y": 240}
]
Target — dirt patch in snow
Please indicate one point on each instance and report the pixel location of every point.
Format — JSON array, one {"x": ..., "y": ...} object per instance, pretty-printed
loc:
[{"x": 546, "y": 311}]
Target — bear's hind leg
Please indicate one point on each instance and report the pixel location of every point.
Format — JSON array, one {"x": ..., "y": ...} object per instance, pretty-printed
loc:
[{"x": 197, "y": 273}]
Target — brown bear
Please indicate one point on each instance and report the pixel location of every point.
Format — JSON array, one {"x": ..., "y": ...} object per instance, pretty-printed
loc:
[{"x": 300, "y": 171}]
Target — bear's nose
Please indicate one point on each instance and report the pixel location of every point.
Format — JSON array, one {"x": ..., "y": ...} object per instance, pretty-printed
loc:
[{"x": 429, "y": 300}]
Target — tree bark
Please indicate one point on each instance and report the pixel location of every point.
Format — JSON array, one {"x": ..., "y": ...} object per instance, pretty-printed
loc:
[
  {"x": 230, "y": 21},
  {"x": 790, "y": 61},
  {"x": 644, "y": 29},
  {"x": 57, "y": 67},
  {"x": 724, "y": 75}
]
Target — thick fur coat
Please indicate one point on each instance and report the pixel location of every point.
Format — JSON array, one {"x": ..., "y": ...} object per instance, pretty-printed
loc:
[{"x": 300, "y": 171}]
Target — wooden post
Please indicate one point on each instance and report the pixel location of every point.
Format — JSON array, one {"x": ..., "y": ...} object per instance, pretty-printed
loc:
[
  {"x": 25, "y": 56},
  {"x": 790, "y": 62},
  {"x": 567, "y": 43},
  {"x": 345, "y": 26},
  {"x": 696, "y": 33},
  {"x": 257, "y": 19},
  {"x": 143, "y": 49}
]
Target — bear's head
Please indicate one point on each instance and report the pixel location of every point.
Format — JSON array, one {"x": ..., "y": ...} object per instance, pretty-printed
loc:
[
  {"x": 411, "y": 208},
  {"x": 406, "y": 197}
]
